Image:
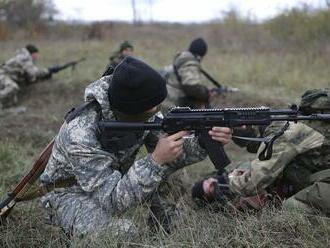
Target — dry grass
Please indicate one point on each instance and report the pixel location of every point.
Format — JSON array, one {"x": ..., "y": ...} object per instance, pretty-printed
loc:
[{"x": 265, "y": 78}]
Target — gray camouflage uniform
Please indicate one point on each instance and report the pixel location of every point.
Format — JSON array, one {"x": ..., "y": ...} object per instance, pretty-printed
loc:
[
  {"x": 16, "y": 72},
  {"x": 187, "y": 85},
  {"x": 108, "y": 182}
]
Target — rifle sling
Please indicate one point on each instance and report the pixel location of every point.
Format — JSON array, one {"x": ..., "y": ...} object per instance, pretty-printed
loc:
[
  {"x": 210, "y": 78},
  {"x": 267, "y": 152},
  {"x": 44, "y": 189}
]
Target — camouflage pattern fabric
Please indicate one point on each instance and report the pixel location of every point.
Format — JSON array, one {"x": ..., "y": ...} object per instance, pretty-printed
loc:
[
  {"x": 109, "y": 183},
  {"x": 188, "y": 68},
  {"x": 298, "y": 156},
  {"x": 16, "y": 72},
  {"x": 8, "y": 91}
]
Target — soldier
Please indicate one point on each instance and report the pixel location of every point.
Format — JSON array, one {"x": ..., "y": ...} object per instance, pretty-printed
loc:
[
  {"x": 125, "y": 49},
  {"x": 108, "y": 178},
  {"x": 299, "y": 169},
  {"x": 185, "y": 80},
  {"x": 17, "y": 72}
]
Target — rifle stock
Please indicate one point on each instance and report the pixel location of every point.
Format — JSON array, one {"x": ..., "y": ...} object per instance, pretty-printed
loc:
[{"x": 24, "y": 185}]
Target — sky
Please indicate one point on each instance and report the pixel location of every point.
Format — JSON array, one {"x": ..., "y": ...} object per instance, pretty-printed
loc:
[{"x": 173, "y": 10}]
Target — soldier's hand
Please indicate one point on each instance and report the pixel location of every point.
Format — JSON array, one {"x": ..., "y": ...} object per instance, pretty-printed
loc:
[
  {"x": 221, "y": 134},
  {"x": 169, "y": 148}
]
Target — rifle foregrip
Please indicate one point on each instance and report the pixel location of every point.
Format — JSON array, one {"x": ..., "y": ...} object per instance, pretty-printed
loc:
[{"x": 215, "y": 150}]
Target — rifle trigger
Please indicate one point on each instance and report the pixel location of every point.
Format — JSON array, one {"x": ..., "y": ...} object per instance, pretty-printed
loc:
[{"x": 267, "y": 152}]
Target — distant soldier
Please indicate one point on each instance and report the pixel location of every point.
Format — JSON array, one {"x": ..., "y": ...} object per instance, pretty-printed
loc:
[
  {"x": 17, "y": 72},
  {"x": 185, "y": 84},
  {"x": 125, "y": 49},
  {"x": 299, "y": 170}
]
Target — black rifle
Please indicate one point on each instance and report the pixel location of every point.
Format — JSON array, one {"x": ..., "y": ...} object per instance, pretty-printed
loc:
[
  {"x": 58, "y": 68},
  {"x": 202, "y": 120},
  {"x": 218, "y": 87}
]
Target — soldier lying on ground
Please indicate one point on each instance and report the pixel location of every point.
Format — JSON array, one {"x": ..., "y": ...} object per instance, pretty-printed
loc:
[
  {"x": 109, "y": 178},
  {"x": 17, "y": 72},
  {"x": 299, "y": 169}
]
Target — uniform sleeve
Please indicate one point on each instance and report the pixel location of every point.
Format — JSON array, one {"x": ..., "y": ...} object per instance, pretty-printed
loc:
[
  {"x": 297, "y": 139},
  {"x": 191, "y": 79},
  {"x": 33, "y": 73},
  {"x": 97, "y": 171},
  {"x": 192, "y": 152}
]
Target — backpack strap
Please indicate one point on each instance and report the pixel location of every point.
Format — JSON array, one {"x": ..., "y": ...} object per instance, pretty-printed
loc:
[{"x": 74, "y": 112}]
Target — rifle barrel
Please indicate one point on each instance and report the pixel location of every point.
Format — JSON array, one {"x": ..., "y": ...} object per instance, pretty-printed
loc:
[
  {"x": 131, "y": 126},
  {"x": 319, "y": 117}
]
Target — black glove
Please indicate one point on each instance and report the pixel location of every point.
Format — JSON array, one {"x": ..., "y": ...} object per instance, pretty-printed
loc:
[{"x": 54, "y": 69}]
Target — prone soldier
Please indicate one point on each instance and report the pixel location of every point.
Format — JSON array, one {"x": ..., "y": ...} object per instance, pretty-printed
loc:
[
  {"x": 19, "y": 71},
  {"x": 298, "y": 170}
]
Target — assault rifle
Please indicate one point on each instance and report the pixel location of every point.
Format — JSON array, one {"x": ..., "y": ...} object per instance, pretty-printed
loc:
[
  {"x": 202, "y": 120},
  {"x": 57, "y": 68}
]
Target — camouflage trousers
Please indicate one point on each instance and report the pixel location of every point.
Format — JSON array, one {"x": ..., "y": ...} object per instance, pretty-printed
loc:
[
  {"x": 79, "y": 214},
  {"x": 314, "y": 198},
  {"x": 8, "y": 91}
]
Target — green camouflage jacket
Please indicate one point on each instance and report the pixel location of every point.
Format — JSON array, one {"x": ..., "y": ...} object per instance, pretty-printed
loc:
[
  {"x": 115, "y": 59},
  {"x": 301, "y": 149},
  {"x": 188, "y": 82}
]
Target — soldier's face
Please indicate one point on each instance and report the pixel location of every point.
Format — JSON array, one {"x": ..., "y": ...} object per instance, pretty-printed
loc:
[
  {"x": 35, "y": 56},
  {"x": 209, "y": 186},
  {"x": 127, "y": 52}
]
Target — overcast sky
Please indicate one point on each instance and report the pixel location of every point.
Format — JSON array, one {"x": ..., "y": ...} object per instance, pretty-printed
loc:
[{"x": 173, "y": 10}]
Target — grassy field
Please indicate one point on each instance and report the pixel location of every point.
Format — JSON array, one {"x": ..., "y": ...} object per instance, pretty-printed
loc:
[{"x": 273, "y": 78}]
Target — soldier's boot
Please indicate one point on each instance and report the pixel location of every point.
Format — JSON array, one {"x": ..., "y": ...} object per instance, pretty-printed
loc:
[{"x": 160, "y": 215}]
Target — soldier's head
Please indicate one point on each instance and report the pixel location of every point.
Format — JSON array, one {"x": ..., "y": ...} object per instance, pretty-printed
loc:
[
  {"x": 33, "y": 50},
  {"x": 198, "y": 47},
  {"x": 126, "y": 48},
  {"x": 315, "y": 100},
  {"x": 211, "y": 189},
  {"x": 136, "y": 90}
]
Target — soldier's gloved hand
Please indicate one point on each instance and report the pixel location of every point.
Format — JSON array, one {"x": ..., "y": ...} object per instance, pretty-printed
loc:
[
  {"x": 236, "y": 173},
  {"x": 54, "y": 69},
  {"x": 221, "y": 134},
  {"x": 169, "y": 148}
]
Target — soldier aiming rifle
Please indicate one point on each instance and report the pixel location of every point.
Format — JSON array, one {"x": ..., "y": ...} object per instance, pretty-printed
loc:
[{"x": 21, "y": 71}]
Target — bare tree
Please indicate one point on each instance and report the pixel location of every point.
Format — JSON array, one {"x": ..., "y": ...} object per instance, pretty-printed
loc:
[
  {"x": 327, "y": 2},
  {"x": 151, "y": 3},
  {"x": 25, "y": 12},
  {"x": 135, "y": 16}
]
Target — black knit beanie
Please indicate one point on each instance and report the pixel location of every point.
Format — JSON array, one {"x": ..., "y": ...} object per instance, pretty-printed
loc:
[
  {"x": 198, "y": 47},
  {"x": 136, "y": 87},
  {"x": 32, "y": 48}
]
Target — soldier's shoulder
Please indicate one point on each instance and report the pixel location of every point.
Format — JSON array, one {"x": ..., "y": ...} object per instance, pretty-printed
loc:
[
  {"x": 185, "y": 57},
  {"x": 115, "y": 56},
  {"x": 23, "y": 55}
]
